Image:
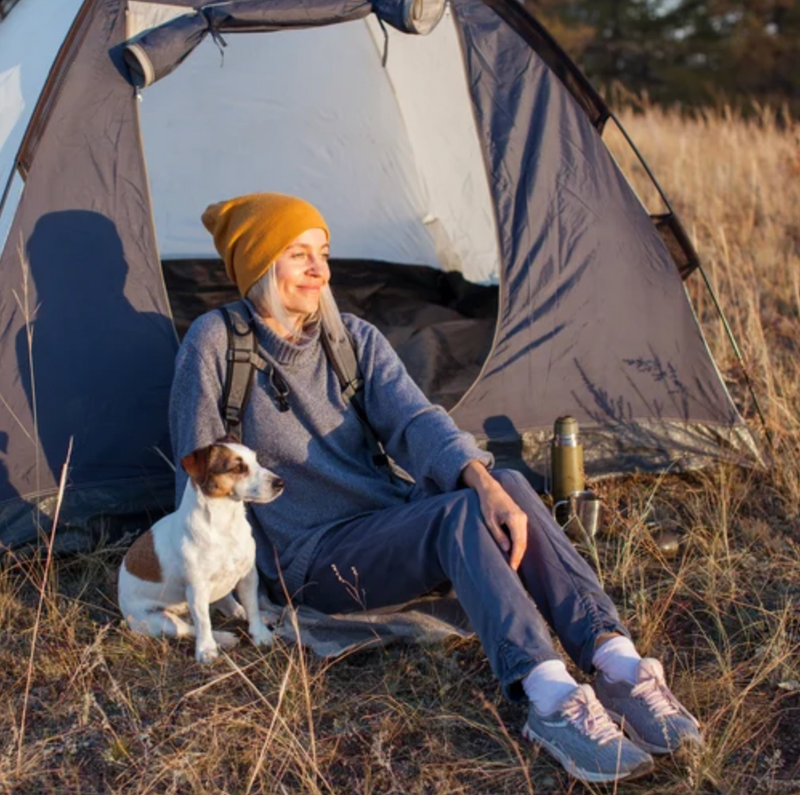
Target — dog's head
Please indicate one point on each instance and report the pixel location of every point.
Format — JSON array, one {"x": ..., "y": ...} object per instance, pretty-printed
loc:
[{"x": 229, "y": 469}]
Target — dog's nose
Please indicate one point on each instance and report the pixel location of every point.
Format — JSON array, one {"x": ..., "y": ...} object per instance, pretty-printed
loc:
[{"x": 277, "y": 484}]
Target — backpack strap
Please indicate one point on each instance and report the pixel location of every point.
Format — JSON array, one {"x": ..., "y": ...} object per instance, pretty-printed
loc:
[
  {"x": 341, "y": 353},
  {"x": 242, "y": 360}
]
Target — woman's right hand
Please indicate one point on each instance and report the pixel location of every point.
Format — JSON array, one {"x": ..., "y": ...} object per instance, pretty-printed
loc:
[{"x": 506, "y": 521}]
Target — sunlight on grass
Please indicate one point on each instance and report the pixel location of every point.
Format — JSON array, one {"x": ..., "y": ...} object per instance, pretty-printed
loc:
[{"x": 111, "y": 712}]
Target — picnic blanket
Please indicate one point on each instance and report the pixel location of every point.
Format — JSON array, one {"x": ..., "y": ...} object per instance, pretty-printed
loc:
[{"x": 426, "y": 620}]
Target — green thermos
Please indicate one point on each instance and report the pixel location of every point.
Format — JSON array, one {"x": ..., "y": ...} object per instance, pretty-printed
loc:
[{"x": 566, "y": 459}]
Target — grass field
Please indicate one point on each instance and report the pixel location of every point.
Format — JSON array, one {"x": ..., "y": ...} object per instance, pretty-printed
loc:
[{"x": 108, "y": 712}]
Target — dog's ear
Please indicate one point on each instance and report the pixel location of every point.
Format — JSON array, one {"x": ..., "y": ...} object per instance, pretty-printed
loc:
[
  {"x": 230, "y": 438},
  {"x": 196, "y": 464}
]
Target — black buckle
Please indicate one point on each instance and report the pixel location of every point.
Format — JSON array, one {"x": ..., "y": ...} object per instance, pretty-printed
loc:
[{"x": 232, "y": 415}]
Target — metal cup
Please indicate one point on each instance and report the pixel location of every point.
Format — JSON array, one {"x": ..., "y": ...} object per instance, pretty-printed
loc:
[
  {"x": 587, "y": 512},
  {"x": 579, "y": 515}
]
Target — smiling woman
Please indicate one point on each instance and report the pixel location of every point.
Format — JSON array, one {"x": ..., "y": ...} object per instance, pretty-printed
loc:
[
  {"x": 295, "y": 292},
  {"x": 301, "y": 272},
  {"x": 456, "y": 520},
  {"x": 280, "y": 263}
]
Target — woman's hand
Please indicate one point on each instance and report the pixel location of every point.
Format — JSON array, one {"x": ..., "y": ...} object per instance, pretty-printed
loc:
[{"x": 504, "y": 518}]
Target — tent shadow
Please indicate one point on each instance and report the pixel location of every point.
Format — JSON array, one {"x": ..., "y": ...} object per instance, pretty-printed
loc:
[
  {"x": 505, "y": 443},
  {"x": 90, "y": 372},
  {"x": 6, "y": 489},
  {"x": 14, "y": 505},
  {"x": 650, "y": 444}
]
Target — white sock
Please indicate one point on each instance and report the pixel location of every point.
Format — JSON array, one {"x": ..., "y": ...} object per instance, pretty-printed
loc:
[
  {"x": 618, "y": 659},
  {"x": 547, "y": 685}
]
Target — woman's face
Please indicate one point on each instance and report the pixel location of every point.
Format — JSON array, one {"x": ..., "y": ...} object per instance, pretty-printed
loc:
[{"x": 301, "y": 272}]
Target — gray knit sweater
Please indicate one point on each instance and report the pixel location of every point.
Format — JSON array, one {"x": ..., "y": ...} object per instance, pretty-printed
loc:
[{"x": 319, "y": 447}]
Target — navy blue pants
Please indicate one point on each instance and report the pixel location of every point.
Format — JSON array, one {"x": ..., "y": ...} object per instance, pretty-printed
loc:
[{"x": 395, "y": 555}]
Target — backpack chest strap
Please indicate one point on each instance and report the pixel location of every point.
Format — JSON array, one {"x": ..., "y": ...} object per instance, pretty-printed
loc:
[
  {"x": 248, "y": 356},
  {"x": 243, "y": 359}
]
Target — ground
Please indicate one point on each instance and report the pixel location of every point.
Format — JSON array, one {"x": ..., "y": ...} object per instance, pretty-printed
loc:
[{"x": 89, "y": 707}]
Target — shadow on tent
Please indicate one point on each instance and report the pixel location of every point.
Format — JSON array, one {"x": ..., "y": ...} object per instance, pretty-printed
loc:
[{"x": 89, "y": 354}]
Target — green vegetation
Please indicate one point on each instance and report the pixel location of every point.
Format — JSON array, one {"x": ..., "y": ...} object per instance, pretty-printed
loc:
[{"x": 689, "y": 51}]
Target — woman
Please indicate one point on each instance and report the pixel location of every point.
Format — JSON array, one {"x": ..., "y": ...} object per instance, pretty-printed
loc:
[{"x": 346, "y": 536}]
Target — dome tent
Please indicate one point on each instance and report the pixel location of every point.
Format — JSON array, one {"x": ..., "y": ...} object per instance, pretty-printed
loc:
[{"x": 477, "y": 217}]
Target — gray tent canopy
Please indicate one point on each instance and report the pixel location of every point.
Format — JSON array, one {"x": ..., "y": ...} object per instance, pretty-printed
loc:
[{"x": 477, "y": 217}]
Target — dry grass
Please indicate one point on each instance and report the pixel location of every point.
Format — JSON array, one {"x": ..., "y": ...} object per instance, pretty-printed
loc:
[{"x": 111, "y": 712}]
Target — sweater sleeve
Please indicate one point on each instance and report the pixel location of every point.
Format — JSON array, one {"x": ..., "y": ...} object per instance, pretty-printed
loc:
[
  {"x": 419, "y": 435},
  {"x": 194, "y": 416}
]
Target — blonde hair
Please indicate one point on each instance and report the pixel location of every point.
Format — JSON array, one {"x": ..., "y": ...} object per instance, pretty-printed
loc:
[{"x": 266, "y": 299}]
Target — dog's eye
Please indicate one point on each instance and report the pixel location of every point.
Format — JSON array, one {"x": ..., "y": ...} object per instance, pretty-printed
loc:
[{"x": 240, "y": 469}]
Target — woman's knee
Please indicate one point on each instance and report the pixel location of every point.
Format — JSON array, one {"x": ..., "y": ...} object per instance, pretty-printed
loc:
[
  {"x": 515, "y": 483},
  {"x": 540, "y": 520},
  {"x": 463, "y": 518},
  {"x": 462, "y": 512}
]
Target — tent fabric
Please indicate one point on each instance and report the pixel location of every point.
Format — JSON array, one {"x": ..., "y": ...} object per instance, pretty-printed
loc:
[
  {"x": 434, "y": 99},
  {"x": 310, "y": 139},
  {"x": 595, "y": 320},
  {"x": 157, "y": 52},
  {"x": 24, "y": 70},
  {"x": 99, "y": 366},
  {"x": 410, "y": 16},
  {"x": 588, "y": 314},
  {"x": 372, "y": 147},
  {"x": 143, "y": 16},
  {"x": 557, "y": 61}
]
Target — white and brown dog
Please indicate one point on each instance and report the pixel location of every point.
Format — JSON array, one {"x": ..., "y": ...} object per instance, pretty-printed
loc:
[{"x": 195, "y": 557}]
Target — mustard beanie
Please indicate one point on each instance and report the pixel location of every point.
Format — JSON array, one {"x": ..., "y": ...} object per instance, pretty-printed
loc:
[{"x": 251, "y": 232}]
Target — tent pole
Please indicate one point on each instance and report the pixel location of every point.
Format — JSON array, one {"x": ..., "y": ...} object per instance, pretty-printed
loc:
[
  {"x": 643, "y": 162},
  {"x": 737, "y": 353},
  {"x": 725, "y": 324},
  {"x": 4, "y": 197}
]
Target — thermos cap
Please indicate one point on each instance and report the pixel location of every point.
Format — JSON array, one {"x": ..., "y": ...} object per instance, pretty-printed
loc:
[{"x": 566, "y": 431}]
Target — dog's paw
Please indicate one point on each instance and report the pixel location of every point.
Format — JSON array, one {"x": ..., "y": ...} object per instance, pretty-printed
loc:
[
  {"x": 226, "y": 640},
  {"x": 238, "y": 614},
  {"x": 206, "y": 656},
  {"x": 261, "y": 636},
  {"x": 230, "y": 608}
]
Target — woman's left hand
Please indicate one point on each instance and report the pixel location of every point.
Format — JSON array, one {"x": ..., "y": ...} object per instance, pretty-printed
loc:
[{"x": 504, "y": 518}]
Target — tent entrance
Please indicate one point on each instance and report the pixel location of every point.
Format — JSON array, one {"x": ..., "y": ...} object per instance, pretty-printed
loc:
[
  {"x": 390, "y": 155},
  {"x": 440, "y": 324}
]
